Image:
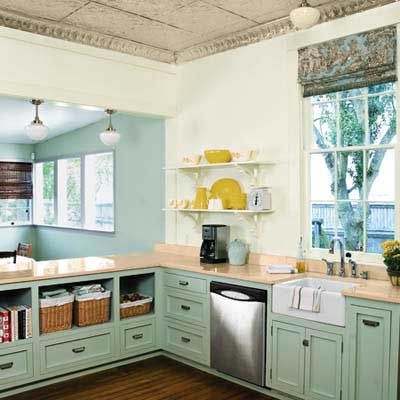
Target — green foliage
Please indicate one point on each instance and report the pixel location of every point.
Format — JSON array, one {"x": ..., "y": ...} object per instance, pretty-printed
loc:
[{"x": 391, "y": 254}]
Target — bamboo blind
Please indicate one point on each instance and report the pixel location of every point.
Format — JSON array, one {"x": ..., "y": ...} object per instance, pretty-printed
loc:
[{"x": 15, "y": 180}]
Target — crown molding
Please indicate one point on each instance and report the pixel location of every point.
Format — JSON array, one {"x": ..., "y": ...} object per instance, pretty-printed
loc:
[
  {"x": 269, "y": 30},
  {"x": 70, "y": 33},
  {"x": 272, "y": 29}
]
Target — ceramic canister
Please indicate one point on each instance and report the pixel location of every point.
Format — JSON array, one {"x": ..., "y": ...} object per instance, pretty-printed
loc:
[{"x": 237, "y": 252}]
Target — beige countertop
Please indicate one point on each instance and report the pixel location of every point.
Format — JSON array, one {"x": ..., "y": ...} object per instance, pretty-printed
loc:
[{"x": 34, "y": 271}]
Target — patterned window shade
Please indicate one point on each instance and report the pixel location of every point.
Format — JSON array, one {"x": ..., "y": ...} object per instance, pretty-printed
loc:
[
  {"x": 351, "y": 62},
  {"x": 16, "y": 180}
]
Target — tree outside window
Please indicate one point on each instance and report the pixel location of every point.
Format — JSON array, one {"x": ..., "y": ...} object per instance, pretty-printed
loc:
[{"x": 352, "y": 167}]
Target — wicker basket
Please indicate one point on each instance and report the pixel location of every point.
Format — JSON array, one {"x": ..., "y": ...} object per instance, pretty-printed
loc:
[
  {"x": 135, "y": 308},
  {"x": 93, "y": 310},
  {"x": 56, "y": 317}
]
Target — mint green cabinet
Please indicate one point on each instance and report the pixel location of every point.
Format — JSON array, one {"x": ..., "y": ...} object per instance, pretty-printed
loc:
[
  {"x": 306, "y": 362},
  {"x": 323, "y": 365},
  {"x": 288, "y": 358},
  {"x": 369, "y": 353},
  {"x": 138, "y": 337},
  {"x": 15, "y": 365}
]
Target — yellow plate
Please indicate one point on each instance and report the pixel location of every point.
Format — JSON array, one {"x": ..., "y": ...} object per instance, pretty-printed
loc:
[{"x": 226, "y": 189}]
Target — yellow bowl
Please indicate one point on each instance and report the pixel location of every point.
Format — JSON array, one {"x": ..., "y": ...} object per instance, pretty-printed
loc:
[{"x": 218, "y": 156}]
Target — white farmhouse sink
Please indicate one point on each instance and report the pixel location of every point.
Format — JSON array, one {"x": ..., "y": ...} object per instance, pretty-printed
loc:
[{"x": 332, "y": 301}]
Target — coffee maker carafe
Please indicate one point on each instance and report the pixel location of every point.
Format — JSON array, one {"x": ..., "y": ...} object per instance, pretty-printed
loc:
[{"x": 214, "y": 248}]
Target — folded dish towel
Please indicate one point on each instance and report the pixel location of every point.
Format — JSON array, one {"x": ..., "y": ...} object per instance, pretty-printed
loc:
[
  {"x": 281, "y": 269},
  {"x": 306, "y": 298}
]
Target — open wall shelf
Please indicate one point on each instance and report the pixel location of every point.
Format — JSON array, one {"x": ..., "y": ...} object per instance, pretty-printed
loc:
[{"x": 250, "y": 216}]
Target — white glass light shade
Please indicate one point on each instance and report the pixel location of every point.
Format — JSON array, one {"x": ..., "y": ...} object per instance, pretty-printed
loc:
[
  {"x": 110, "y": 137},
  {"x": 305, "y": 17},
  {"x": 37, "y": 131}
]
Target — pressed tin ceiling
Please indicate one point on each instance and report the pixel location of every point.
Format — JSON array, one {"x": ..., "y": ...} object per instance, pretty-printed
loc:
[{"x": 166, "y": 30}]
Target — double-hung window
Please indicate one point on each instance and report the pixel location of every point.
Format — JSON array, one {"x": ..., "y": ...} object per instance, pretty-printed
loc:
[
  {"x": 15, "y": 193},
  {"x": 76, "y": 192},
  {"x": 350, "y": 146}
]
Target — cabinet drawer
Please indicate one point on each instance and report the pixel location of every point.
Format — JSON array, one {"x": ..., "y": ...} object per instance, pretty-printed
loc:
[
  {"x": 186, "y": 308},
  {"x": 75, "y": 352},
  {"x": 188, "y": 283},
  {"x": 138, "y": 338},
  {"x": 16, "y": 364},
  {"x": 191, "y": 343}
]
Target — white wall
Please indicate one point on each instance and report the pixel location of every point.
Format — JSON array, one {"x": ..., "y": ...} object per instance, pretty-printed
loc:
[
  {"x": 39, "y": 66},
  {"x": 249, "y": 98}
]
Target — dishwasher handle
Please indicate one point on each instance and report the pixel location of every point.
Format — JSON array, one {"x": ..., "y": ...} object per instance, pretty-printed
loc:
[{"x": 234, "y": 295}]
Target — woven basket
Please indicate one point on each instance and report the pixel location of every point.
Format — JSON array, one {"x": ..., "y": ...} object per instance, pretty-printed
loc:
[
  {"x": 135, "y": 310},
  {"x": 91, "y": 311},
  {"x": 56, "y": 318}
]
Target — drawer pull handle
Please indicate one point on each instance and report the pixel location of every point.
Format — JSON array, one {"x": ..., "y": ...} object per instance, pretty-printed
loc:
[
  {"x": 185, "y": 339},
  {"x": 186, "y": 308},
  {"x": 184, "y": 283},
  {"x": 79, "y": 349},
  {"x": 373, "y": 324},
  {"x": 6, "y": 365},
  {"x": 138, "y": 336},
  {"x": 306, "y": 343}
]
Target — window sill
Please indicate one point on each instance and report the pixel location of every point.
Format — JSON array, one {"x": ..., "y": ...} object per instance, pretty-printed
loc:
[
  {"x": 16, "y": 225},
  {"x": 73, "y": 228},
  {"x": 370, "y": 259}
]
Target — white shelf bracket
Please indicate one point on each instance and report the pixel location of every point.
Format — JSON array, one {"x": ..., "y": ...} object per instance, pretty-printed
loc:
[
  {"x": 251, "y": 171},
  {"x": 252, "y": 220},
  {"x": 197, "y": 218}
]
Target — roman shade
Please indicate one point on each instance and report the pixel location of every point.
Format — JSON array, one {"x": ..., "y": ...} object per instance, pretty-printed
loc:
[
  {"x": 15, "y": 180},
  {"x": 351, "y": 62}
]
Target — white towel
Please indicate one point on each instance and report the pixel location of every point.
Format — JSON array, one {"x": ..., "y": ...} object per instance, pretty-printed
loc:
[
  {"x": 295, "y": 298},
  {"x": 317, "y": 300},
  {"x": 281, "y": 269},
  {"x": 307, "y": 298}
]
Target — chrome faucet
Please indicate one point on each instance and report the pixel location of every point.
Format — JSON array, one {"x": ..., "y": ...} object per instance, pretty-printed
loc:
[{"x": 342, "y": 270}]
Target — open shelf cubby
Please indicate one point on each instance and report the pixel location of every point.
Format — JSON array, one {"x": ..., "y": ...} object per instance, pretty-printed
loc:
[
  {"x": 143, "y": 284},
  {"x": 18, "y": 319},
  {"x": 107, "y": 283}
]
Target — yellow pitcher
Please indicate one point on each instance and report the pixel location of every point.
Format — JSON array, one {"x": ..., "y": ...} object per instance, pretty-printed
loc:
[{"x": 201, "y": 199}]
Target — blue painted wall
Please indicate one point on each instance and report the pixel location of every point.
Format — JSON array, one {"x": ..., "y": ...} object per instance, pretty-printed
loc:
[
  {"x": 10, "y": 237},
  {"x": 139, "y": 193}
]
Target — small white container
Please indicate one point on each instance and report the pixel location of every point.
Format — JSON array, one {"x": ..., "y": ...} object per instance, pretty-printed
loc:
[{"x": 260, "y": 199}]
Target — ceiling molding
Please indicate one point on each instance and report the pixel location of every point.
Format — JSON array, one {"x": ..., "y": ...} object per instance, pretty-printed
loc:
[
  {"x": 82, "y": 36},
  {"x": 269, "y": 30},
  {"x": 273, "y": 29}
]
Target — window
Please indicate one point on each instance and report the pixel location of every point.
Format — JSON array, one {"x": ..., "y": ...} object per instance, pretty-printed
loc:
[
  {"x": 15, "y": 193},
  {"x": 76, "y": 192},
  {"x": 15, "y": 212},
  {"x": 350, "y": 148},
  {"x": 44, "y": 194}
]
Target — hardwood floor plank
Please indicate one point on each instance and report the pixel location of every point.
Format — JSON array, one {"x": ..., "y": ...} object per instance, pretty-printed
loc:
[{"x": 159, "y": 378}]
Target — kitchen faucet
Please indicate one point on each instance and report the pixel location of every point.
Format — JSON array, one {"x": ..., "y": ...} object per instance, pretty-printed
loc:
[{"x": 332, "y": 251}]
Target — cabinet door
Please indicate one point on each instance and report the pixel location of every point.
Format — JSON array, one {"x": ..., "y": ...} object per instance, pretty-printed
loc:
[
  {"x": 323, "y": 365},
  {"x": 369, "y": 353},
  {"x": 288, "y": 358}
]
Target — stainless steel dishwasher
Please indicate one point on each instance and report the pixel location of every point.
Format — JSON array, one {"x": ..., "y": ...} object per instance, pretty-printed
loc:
[{"x": 238, "y": 325}]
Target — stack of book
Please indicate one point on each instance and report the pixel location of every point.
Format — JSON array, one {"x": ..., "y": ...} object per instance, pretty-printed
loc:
[{"x": 15, "y": 323}]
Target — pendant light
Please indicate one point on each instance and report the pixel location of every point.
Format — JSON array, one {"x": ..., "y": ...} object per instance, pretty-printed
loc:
[
  {"x": 110, "y": 136},
  {"x": 36, "y": 130},
  {"x": 305, "y": 16}
]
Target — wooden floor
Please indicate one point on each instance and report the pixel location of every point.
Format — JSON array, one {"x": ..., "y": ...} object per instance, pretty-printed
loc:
[{"x": 155, "y": 379}]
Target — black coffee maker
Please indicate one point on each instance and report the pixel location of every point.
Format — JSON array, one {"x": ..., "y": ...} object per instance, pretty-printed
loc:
[{"x": 214, "y": 248}]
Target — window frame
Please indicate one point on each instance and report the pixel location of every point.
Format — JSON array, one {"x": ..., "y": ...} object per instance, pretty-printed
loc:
[
  {"x": 81, "y": 156},
  {"x": 307, "y": 150}
]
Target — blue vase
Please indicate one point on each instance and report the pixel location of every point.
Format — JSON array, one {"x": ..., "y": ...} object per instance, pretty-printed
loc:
[{"x": 237, "y": 252}]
